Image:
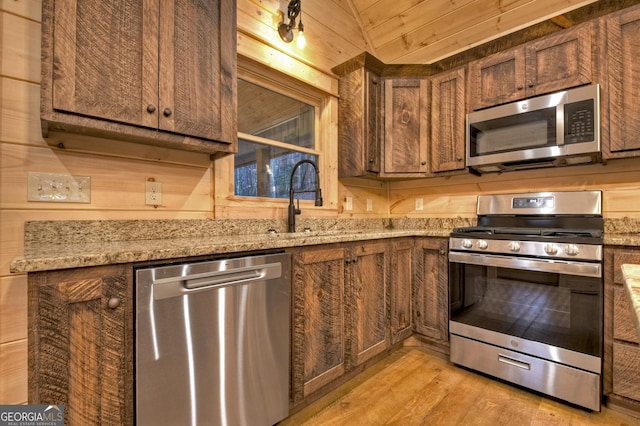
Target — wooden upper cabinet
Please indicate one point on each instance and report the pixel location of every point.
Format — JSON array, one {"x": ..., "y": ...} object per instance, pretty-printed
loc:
[
  {"x": 160, "y": 73},
  {"x": 406, "y": 137},
  {"x": 623, "y": 83},
  {"x": 553, "y": 63},
  {"x": 359, "y": 125},
  {"x": 448, "y": 114},
  {"x": 360, "y": 117}
]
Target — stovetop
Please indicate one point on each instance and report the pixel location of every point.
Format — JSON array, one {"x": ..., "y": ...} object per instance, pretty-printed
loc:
[{"x": 568, "y": 235}]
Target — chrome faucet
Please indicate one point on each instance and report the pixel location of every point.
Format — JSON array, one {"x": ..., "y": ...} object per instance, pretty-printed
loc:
[{"x": 293, "y": 211}]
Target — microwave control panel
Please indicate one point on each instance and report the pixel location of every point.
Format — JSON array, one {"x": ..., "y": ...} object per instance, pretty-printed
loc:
[{"x": 579, "y": 122}]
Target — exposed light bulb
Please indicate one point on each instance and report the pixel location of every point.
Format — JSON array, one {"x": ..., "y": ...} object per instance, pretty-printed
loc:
[{"x": 301, "y": 41}]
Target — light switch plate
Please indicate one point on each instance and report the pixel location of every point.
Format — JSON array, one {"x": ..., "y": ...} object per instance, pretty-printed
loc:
[
  {"x": 58, "y": 188},
  {"x": 349, "y": 203},
  {"x": 419, "y": 204}
]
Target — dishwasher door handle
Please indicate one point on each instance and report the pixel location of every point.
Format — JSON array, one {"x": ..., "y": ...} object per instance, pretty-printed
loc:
[{"x": 215, "y": 280}]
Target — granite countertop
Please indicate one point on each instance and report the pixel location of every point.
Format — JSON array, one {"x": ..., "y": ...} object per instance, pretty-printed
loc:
[
  {"x": 51, "y": 245},
  {"x": 631, "y": 274}
]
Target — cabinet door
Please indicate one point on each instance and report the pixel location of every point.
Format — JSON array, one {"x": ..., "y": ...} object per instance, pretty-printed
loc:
[
  {"x": 367, "y": 311},
  {"x": 318, "y": 319},
  {"x": 406, "y": 135},
  {"x": 402, "y": 273},
  {"x": 621, "y": 377},
  {"x": 198, "y": 68},
  {"x": 623, "y": 74},
  {"x": 448, "y": 121},
  {"x": 359, "y": 123},
  {"x": 497, "y": 79},
  {"x": 81, "y": 343},
  {"x": 431, "y": 287},
  {"x": 560, "y": 61},
  {"x": 104, "y": 59}
]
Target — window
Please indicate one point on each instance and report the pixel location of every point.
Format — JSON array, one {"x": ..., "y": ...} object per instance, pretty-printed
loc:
[{"x": 276, "y": 131}]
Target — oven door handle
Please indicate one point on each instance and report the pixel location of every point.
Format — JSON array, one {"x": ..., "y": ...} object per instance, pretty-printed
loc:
[{"x": 582, "y": 269}]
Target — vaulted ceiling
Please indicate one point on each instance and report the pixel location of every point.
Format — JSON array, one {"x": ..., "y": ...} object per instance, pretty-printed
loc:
[{"x": 425, "y": 31}]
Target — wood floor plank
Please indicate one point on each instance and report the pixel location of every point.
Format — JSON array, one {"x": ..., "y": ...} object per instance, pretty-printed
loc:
[{"x": 415, "y": 386}]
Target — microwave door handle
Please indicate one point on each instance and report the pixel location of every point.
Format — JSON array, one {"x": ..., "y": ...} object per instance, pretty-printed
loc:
[{"x": 560, "y": 124}]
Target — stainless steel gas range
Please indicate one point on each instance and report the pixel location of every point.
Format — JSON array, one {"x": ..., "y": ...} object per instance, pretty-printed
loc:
[{"x": 526, "y": 293}]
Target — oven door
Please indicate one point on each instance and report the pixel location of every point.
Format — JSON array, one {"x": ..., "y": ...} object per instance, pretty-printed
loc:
[{"x": 552, "y": 308}]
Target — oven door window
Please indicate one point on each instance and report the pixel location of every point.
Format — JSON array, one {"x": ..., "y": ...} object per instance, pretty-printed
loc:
[
  {"x": 556, "y": 309},
  {"x": 534, "y": 129}
]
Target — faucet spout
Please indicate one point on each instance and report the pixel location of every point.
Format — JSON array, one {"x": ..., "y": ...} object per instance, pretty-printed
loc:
[{"x": 292, "y": 210}]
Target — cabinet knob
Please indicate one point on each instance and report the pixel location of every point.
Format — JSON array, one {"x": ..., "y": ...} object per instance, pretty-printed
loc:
[
  {"x": 371, "y": 160},
  {"x": 530, "y": 84},
  {"x": 167, "y": 112},
  {"x": 423, "y": 163},
  {"x": 347, "y": 261},
  {"x": 355, "y": 260},
  {"x": 151, "y": 108},
  {"x": 458, "y": 158},
  {"x": 114, "y": 302},
  {"x": 519, "y": 87}
]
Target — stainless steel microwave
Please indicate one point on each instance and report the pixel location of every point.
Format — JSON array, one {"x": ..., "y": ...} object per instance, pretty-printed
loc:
[{"x": 558, "y": 129}]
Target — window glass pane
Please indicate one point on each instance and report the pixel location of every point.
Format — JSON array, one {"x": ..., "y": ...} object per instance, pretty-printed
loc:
[
  {"x": 265, "y": 171},
  {"x": 262, "y": 169},
  {"x": 265, "y": 113}
]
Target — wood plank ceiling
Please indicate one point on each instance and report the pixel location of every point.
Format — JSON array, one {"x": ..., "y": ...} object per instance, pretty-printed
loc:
[{"x": 426, "y": 31}]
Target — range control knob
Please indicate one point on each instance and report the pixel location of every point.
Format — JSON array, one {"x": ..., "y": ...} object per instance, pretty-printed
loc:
[
  {"x": 572, "y": 249},
  {"x": 467, "y": 244},
  {"x": 514, "y": 246},
  {"x": 550, "y": 249},
  {"x": 482, "y": 244}
]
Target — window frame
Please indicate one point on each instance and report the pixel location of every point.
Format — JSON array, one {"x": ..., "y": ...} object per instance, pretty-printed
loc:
[{"x": 226, "y": 203}]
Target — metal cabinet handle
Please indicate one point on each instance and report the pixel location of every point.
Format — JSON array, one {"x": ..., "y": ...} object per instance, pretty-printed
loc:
[
  {"x": 167, "y": 112},
  {"x": 151, "y": 108},
  {"x": 114, "y": 302}
]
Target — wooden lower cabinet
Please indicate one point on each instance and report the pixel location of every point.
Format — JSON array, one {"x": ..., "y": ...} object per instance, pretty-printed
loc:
[
  {"x": 81, "y": 343},
  {"x": 431, "y": 289},
  {"x": 621, "y": 344},
  {"x": 340, "y": 311},
  {"x": 402, "y": 275}
]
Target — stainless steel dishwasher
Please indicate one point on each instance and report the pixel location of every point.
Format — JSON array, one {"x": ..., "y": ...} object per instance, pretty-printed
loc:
[{"x": 212, "y": 342}]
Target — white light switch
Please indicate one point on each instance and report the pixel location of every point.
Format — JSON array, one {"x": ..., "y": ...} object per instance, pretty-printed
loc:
[
  {"x": 58, "y": 188},
  {"x": 349, "y": 203},
  {"x": 369, "y": 205},
  {"x": 419, "y": 204}
]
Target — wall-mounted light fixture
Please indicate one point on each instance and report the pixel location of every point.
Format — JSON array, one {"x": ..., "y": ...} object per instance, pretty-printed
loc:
[{"x": 286, "y": 29}]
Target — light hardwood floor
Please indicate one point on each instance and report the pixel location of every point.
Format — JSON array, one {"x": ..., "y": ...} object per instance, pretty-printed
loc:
[{"x": 414, "y": 386}]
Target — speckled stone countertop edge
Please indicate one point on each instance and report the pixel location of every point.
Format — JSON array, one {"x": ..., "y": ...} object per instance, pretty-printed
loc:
[
  {"x": 631, "y": 274},
  {"x": 51, "y": 245}
]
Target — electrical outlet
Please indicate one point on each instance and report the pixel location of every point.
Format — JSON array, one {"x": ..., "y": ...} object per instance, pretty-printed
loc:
[
  {"x": 153, "y": 193},
  {"x": 58, "y": 188},
  {"x": 369, "y": 205},
  {"x": 349, "y": 202},
  {"x": 419, "y": 204}
]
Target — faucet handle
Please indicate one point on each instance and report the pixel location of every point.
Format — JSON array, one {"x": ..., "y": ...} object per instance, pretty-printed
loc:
[{"x": 297, "y": 209}]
